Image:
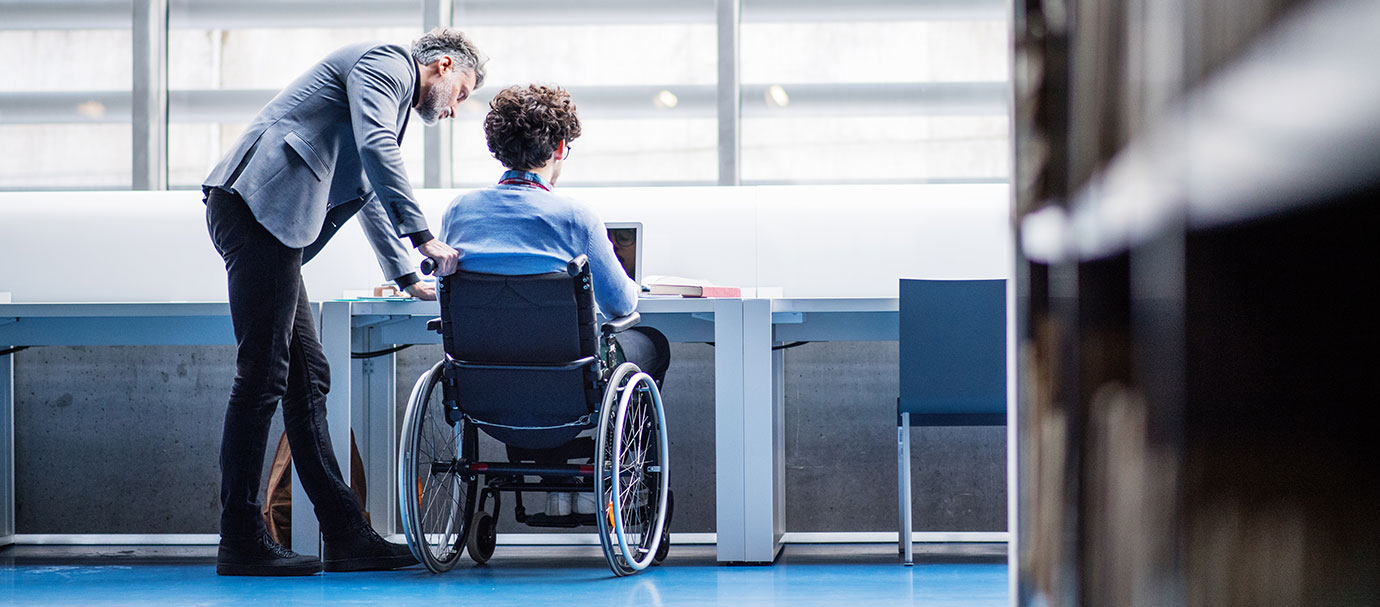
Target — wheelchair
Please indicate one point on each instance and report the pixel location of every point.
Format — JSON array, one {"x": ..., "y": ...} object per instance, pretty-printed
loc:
[{"x": 524, "y": 363}]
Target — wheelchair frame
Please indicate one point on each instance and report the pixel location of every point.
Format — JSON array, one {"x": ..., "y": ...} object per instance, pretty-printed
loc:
[{"x": 444, "y": 487}]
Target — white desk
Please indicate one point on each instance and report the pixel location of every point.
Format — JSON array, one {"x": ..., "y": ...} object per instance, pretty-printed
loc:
[
  {"x": 749, "y": 385},
  {"x": 126, "y": 324},
  {"x": 367, "y": 397},
  {"x": 92, "y": 324},
  {"x": 760, "y": 491}
]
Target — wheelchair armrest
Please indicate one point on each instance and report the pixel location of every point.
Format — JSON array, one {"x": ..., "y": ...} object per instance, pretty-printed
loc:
[
  {"x": 620, "y": 324},
  {"x": 434, "y": 325}
]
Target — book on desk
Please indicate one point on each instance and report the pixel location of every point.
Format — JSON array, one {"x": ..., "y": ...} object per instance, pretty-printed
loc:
[{"x": 687, "y": 287}]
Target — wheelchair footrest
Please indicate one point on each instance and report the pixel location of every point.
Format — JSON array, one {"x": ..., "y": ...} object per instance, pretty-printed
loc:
[{"x": 567, "y": 521}]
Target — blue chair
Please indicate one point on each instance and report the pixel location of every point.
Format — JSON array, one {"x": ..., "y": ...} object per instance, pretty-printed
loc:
[{"x": 953, "y": 366}]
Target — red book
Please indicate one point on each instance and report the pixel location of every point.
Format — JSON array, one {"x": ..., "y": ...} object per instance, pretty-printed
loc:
[{"x": 688, "y": 287}]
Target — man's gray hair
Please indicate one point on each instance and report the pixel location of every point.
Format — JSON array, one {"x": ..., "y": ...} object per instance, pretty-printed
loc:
[{"x": 446, "y": 41}]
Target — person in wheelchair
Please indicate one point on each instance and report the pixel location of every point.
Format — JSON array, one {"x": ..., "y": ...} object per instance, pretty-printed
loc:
[{"x": 520, "y": 226}]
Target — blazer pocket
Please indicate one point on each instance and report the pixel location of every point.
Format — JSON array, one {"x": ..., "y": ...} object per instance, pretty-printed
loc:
[{"x": 308, "y": 154}]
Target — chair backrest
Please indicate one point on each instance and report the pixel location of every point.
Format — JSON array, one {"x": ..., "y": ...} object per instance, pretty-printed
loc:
[
  {"x": 523, "y": 351},
  {"x": 953, "y": 352}
]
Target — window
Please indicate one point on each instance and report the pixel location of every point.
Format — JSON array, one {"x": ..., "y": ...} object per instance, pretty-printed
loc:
[
  {"x": 857, "y": 98},
  {"x": 227, "y": 60},
  {"x": 644, "y": 89},
  {"x": 831, "y": 91},
  {"x": 65, "y": 101}
]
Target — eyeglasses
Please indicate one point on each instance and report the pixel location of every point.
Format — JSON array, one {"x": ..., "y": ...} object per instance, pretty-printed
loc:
[{"x": 568, "y": 148}]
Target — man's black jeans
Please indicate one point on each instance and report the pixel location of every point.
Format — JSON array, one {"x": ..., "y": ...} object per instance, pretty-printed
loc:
[{"x": 279, "y": 359}]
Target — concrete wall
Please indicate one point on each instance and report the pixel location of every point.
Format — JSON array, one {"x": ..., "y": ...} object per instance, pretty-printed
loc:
[{"x": 126, "y": 440}]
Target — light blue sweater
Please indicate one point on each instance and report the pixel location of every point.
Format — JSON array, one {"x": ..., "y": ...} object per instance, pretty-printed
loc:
[{"x": 519, "y": 229}]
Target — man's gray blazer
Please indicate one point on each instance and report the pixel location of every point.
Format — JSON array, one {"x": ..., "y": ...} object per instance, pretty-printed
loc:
[{"x": 327, "y": 145}]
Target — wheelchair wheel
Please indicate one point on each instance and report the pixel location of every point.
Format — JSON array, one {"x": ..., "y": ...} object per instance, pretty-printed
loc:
[
  {"x": 483, "y": 537},
  {"x": 436, "y": 491},
  {"x": 631, "y": 471}
]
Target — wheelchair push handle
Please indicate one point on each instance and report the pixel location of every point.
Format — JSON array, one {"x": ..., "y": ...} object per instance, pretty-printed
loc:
[
  {"x": 578, "y": 265},
  {"x": 428, "y": 266}
]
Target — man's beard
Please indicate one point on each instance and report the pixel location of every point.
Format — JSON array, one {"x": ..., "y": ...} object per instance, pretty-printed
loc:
[{"x": 436, "y": 101}]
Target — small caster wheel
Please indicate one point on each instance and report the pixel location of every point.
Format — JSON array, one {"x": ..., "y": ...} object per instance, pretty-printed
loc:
[{"x": 483, "y": 537}]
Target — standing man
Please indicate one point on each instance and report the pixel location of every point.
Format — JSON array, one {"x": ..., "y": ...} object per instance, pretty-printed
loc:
[{"x": 323, "y": 149}]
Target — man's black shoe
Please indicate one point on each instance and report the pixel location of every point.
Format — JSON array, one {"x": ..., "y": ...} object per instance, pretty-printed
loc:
[
  {"x": 366, "y": 552},
  {"x": 262, "y": 556}
]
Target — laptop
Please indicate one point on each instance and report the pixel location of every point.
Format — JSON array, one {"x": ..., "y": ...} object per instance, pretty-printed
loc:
[{"x": 626, "y": 237}]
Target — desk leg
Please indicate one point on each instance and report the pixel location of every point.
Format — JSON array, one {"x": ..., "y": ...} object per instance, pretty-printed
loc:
[
  {"x": 334, "y": 327},
  {"x": 729, "y": 452},
  {"x": 748, "y": 433},
  {"x": 763, "y": 437},
  {"x": 7, "y": 449},
  {"x": 373, "y": 381}
]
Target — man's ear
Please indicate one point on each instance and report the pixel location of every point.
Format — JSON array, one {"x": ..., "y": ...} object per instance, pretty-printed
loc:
[{"x": 445, "y": 64}]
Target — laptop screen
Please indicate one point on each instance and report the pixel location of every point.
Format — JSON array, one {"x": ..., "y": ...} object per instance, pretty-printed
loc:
[{"x": 627, "y": 245}]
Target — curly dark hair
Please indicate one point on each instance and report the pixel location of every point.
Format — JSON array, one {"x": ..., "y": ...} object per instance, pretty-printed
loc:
[{"x": 525, "y": 124}]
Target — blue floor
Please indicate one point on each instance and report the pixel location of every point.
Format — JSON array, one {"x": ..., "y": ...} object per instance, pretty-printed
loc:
[{"x": 850, "y": 576}]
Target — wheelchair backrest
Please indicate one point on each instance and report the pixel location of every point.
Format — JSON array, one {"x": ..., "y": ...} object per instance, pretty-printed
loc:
[
  {"x": 538, "y": 318},
  {"x": 515, "y": 342}
]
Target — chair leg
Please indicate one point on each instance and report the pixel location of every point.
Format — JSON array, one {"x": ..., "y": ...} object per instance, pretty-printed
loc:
[
  {"x": 900, "y": 490},
  {"x": 903, "y": 488}
]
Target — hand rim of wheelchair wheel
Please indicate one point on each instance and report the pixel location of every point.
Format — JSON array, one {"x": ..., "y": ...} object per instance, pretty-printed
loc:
[
  {"x": 420, "y": 408},
  {"x": 651, "y": 538},
  {"x": 603, "y": 516},
  {"x": 613, "y": 515}
]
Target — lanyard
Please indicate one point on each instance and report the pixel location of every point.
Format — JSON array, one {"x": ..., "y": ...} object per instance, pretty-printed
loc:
[{"x": 523, "y": 181}]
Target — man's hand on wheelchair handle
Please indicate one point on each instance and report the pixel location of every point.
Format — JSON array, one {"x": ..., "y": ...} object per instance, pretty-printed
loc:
[{"x": 446, "y": 258}]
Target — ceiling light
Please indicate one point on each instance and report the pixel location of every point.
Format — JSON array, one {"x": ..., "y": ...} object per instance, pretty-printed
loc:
[
  {"x": 94, "y": 110},
  {"x": 777, "y": 96}
]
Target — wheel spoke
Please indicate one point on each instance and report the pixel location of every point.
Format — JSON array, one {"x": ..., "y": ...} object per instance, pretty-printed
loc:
[{"x": 430, "y": 509}]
